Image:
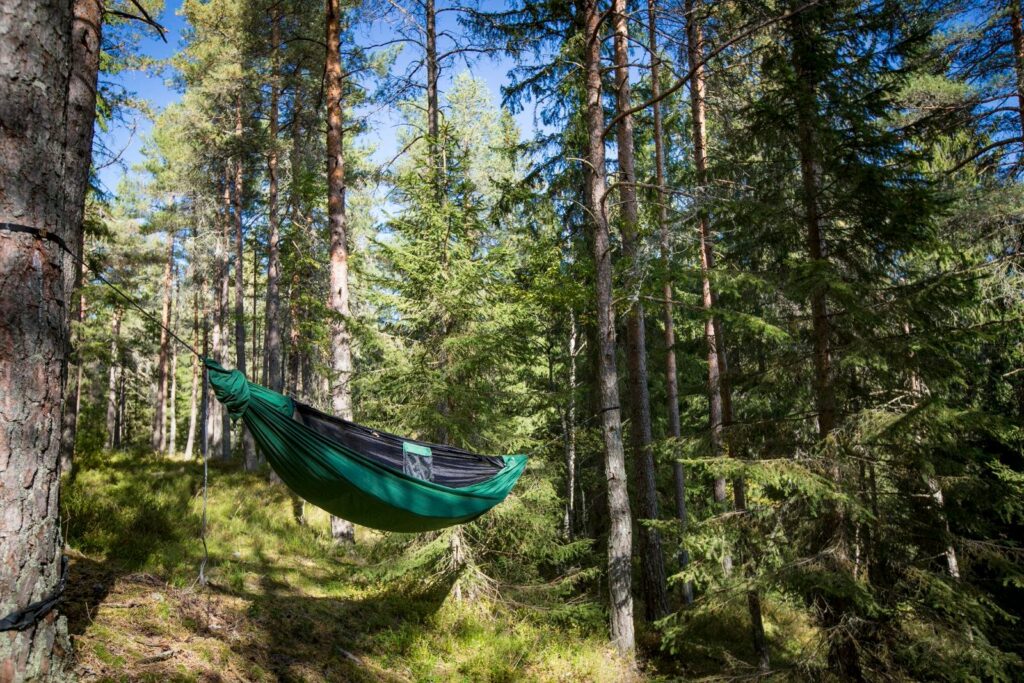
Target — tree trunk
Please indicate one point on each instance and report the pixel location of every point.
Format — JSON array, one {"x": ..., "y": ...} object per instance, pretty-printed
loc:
[
  {"x": 719, "y": 390},
  {"x": 193, "y": 403},
  {"x": 219, "y": 422},
  {"x": 160, "y": 416},
  {"x": 272, "y": 345},
  {"x": 652, "y": 562},
  {"x": 433, "y": 106},
  {"x": 85, "y": 60},
  {"x": 843, "y": 651},
  {"x": 620, "y": 534},
  {"x": 569, "y": 430},
  {"x": 113, "y": 440},
  {"x": 36, "y": 190},
  {"x": 172, "y": 398},
  {"x": 668, "y": 293},
  {"x": 249, "y": 458},
  {"x": 1017, "y": 30},
  {"x": 341, "y": 341}
]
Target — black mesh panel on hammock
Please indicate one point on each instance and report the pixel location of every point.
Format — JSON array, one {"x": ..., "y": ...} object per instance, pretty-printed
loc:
[{"x": 449, "y": 466}]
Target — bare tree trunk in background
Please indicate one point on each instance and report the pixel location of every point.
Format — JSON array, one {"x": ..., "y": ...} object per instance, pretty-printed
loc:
[
  {"x": 1017, "y": 29},
  {"x": 73, "y": 392},
  {"x": 695, "y": 54},
  {"x": 341, "y": 340},
  {"x": 193, "y": 403},
  {"x": 204, "y": 391},
  {"x": 569, "y": 430},
  {"x": 112, "y": 431},
  {"x": 160, "y": 415},
  {"x": 272, "y": 345},
  {"x": 668, "y": 293},
  {"x": 719, "y": 390},
  {"x": 86, "y": 32},
  {"x": 172, "y": 398},
  {"x": 843, "y": 655},
  {"x": 35, "y": 278},
  {"x": 433, "y": 75},
  {"x": 652, "y": 560},
  {"x": 249, "y": 458},
  {"x": 218, "y": 422},
  {"x": 620, "y": 534}
]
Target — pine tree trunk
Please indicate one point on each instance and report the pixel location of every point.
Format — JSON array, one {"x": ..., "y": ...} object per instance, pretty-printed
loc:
[
  {"x": 620, "y": 534},
  {"x": 652, "y": 562},
  {"x": 249, "y": 458},
  {"x": 341, "y": 341},
  {"x": 160, "y": 416},
  {"x": 85, "y": 59},
  {"x": 219, "y": 422},
  {"x": 193, "y": 403},
  {"x": 112, "y": 426},
  {"x": 569, "y": 431},
  {"x": 433, "y": 105},
  {"x": 843, "y": 650},
  {"x": 172, "y": 411},
  {"x": 1017, "y": 30},
  {"x": 668, "y": 292},
  {"x": 37, "y": 190},
  {"x": 272, "y": 345}
]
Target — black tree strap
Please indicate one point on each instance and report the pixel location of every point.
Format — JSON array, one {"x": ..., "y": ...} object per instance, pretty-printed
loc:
[
  {"x": 42, "y": 234},
  {"x": 56, "y": 239},
  {"x": 30, "y": 616}
]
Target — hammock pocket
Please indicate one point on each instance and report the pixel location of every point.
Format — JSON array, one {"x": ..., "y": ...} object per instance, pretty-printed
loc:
[{"x": 363, "y": 475}]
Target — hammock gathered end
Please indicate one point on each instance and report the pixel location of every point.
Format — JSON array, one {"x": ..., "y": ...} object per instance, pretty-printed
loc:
[{"x": 363, "y": 475}]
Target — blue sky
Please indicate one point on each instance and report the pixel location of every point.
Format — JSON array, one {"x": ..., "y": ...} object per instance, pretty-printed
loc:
[{"x": 157, "y": 90}]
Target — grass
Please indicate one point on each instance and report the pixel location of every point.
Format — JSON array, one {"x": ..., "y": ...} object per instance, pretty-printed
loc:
[{"x": 282, "y": 602}]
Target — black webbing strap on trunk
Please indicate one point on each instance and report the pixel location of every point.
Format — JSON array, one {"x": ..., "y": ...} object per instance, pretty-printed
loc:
[{"x": 30, "y": 616}]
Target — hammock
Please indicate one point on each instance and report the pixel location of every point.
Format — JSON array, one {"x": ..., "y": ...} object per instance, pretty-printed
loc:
[{"x": 360, "y": 474}]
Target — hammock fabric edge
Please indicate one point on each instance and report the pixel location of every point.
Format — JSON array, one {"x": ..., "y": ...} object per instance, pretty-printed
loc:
[{"x": 343, "y": 481}]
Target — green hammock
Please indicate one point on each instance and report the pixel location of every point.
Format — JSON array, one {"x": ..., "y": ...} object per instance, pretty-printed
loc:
[{"x": 363, "y": 475}]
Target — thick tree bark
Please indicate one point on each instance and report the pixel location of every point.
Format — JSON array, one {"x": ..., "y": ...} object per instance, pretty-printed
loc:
[
  {"x": 341, "y": 339},
  {"x": 35, "y": 278},
  {"x": 620, "y": 534},
  {"x": 113, "y": 434},
  {"x": 652, "y": 561},
  {"x": 160, "y": 416},
  {"x": 85, "y": 60},
  {"x": 668, "y": 290},
  {"x": 272, "y": 345}
]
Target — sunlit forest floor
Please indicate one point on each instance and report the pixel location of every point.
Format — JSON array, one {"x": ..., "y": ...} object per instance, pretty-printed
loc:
[{"x": 282, "y": 602}]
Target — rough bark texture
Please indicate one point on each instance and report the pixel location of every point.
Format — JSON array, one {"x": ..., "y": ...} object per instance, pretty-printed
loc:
[
  {"x": 219, "y": 428},
  {"x": 36, "y": 279},
  {"x": 620, "y": 533},
  {"x": 652, "y": 562},
  {"x": 272, "y": 345},
  {"x": 433, "y": 73},
  {"x": 341, "y": 339},
  {"x": 85, "y": 60}
]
